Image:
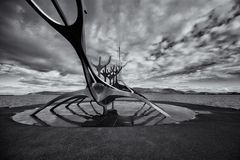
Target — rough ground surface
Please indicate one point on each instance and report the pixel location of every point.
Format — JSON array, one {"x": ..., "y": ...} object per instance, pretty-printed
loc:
[{"x": 210, "y": 136}]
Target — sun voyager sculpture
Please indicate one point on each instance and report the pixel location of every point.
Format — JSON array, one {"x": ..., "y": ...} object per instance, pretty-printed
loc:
[{"x": 97, "y": 90}]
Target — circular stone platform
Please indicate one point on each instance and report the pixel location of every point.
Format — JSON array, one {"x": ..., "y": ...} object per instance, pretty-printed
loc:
[{"x": 125, "y": 113}]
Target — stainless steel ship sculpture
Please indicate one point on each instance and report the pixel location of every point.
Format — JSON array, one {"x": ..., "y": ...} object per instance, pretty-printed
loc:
[{"x": 96, "y": 90}]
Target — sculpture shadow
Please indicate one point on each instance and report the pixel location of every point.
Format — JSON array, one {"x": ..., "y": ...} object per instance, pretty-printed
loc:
[{"x": 93, "y": 117}]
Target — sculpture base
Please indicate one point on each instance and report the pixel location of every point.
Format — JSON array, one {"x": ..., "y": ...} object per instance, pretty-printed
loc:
[
  {"x": 125, "y": 113},
  {"x": 110, "y": 119}
]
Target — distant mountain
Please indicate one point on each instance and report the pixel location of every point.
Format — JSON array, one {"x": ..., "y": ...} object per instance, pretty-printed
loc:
[
  {"x": 173, "y": 91},
  {"x": 47, "y": 93},
  {"x": 158, "y": 90},
  {"x": 152, "y": 90}
]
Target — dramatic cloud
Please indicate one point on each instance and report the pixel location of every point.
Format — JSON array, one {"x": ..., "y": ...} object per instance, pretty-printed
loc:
[
  {"x": 19, "y": 80},
  {"x": 181, "y": 44}
]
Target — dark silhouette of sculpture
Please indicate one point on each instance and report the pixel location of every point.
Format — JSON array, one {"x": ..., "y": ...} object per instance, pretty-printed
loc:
[
  {"x": 97, "y": 90},
  {"x": 101, "y": 66},
  {"x": 105, "y": 74},
  {"x": 111, "y": 73}
]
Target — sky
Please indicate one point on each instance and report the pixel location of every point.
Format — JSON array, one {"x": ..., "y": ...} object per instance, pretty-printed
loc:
[{"x": 180, "y": 44}]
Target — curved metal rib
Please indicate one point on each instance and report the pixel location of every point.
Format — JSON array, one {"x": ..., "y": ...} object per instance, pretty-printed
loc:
[
  {"x": 94, "y": 109},
  {"x": 75, "y": 113},
  {"x": 62, "y": 117},
  {"x": 60, "y": 12},
  {"x": 66, "y": 95},
  {"x": 75, "y": 35}
]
